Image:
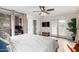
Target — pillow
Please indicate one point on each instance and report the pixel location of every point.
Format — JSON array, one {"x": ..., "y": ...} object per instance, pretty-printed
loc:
[
  {"x": 3, "y": 46},
  {"x": 6, "y": 38},
  {"x": 4, "y": 35}
]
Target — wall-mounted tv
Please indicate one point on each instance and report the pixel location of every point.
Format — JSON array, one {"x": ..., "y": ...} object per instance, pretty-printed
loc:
[{"x": 45, "y": 24}]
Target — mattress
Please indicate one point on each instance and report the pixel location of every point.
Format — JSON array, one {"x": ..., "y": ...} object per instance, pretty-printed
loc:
[{"x": 33, "y": 43}]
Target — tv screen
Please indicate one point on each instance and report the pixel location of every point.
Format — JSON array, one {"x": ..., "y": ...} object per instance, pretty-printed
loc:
[{"x": 45, "y": 24}]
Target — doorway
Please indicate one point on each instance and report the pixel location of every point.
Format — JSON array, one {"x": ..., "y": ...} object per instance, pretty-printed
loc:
[
  {"x": 34, "y": 25},
  {"x": 18, "y": 26}
]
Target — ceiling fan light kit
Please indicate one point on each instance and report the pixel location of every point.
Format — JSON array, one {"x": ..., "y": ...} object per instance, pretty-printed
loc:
[
  {"x": 43, "y": 14},
  {"x": 43, "y": 11}
]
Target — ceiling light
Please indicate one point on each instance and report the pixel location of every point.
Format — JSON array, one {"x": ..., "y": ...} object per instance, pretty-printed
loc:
[{"x": 43, "y": 14}]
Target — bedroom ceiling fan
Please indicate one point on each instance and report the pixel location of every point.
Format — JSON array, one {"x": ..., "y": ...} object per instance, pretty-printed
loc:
[{"x": 43, "y": 11}]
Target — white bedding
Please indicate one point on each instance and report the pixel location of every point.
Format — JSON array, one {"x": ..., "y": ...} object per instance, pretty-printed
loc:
[{"x": 33, "y": 43}]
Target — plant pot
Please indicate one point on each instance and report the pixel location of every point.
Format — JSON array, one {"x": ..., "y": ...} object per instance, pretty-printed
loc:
[{"x": 73, "y": 38}]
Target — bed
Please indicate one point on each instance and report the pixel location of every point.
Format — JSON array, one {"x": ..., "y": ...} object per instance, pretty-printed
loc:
[
  {"x": 33, "y": 43},
  {"x": 27, "y": 43}
]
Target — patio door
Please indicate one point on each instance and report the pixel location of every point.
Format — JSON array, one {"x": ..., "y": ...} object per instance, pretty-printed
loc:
[{"x": 5, "y": 23}]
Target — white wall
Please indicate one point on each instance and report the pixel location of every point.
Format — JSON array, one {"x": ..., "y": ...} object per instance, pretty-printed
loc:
[
  {"x": 30, "y": 24},
  {"x": 52, "y": 28},
  {"x": 77, "y": 32},
  {"x": 45, "y": 29}
]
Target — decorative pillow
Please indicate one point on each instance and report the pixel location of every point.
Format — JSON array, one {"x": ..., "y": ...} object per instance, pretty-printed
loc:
[
  {"x": 3, "y": 46},
  {"x": 4, "y": 35},
  {"x": 7, "y": 38}
]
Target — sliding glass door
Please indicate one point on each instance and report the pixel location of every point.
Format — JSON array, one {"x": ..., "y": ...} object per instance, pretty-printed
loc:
[
  {"x": 62, "y": 28},
  {"x": 59, "y": 28},
  {"x": 5, "y": 23}
]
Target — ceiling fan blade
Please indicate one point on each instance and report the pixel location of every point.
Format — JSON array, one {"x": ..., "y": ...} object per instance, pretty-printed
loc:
[
  {"x": 47, "y": 13},
  {"x": 36, "y": 11},
  {"x": 42, "y": 8},
  {"x": 50, "y": 9}
]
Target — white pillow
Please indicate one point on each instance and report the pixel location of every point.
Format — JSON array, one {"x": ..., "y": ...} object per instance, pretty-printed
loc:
[{"x": 5, "y": 35}]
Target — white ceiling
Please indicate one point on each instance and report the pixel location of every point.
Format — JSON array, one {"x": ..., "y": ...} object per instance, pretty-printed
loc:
[{"x": 59, "y": 10}]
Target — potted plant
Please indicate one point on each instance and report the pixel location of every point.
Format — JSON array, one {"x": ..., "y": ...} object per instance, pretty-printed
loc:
[{"x": 72, "y": 28}]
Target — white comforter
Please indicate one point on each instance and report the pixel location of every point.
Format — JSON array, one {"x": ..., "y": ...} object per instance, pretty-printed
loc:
[{"x": 33, "y": 43}]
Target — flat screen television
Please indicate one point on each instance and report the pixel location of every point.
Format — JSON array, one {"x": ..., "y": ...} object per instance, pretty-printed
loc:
[{"x": 45, "y": 24}]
